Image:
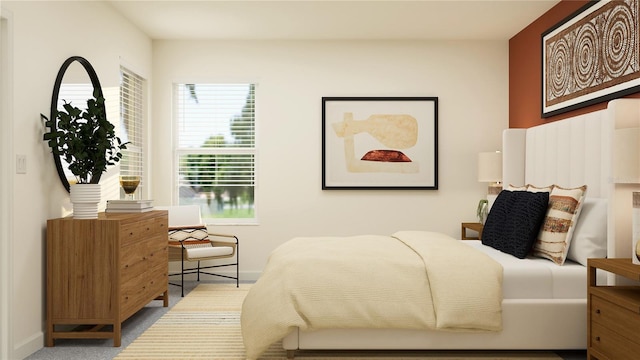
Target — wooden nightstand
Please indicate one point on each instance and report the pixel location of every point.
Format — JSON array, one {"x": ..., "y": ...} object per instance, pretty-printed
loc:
[
  {"x": 613, "y": 312},
  {"x": 471, "y": 226}
]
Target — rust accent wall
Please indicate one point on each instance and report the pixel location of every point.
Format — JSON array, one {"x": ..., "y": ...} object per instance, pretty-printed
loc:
[{"x": 525, "y": 69}]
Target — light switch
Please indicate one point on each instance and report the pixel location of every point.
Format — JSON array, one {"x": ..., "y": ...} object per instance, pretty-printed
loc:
[{"x": 21, "y": 164}]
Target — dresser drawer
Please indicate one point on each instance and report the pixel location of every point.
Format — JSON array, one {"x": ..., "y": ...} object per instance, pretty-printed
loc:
[
  {"x": 147, "y": 229},
  {"x": 135, "y": 264},
  {"x": 612, "y": 344},
  {"x": 158, "y": 279},
  {"x": 616, "y": 318},
  {"x": 139, "y": 291}
]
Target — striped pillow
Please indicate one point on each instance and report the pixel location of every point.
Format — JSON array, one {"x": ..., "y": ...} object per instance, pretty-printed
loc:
[
  {"x": 189, "y": 233},
  {"x": 560, "y": 221}
]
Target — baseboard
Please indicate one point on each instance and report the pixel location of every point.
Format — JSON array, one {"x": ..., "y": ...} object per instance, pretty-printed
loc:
[{"x": 29, "y": 346}]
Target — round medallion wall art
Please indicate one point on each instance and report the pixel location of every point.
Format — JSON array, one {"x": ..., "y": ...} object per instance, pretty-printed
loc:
[{"x": 591, "y": 57}]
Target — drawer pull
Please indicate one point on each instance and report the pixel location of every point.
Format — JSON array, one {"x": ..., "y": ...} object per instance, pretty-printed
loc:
[
  {"x": 597, "y": 311},
  {"x": 597, "y": 338}
]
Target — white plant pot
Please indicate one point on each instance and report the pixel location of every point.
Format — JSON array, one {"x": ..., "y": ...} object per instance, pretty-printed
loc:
[{"x": 85, "y": 199}]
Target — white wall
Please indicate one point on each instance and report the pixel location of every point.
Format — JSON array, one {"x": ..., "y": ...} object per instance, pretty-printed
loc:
[
  {"x": 44, "y": 35},
  {"x": 470, "y": 78}
]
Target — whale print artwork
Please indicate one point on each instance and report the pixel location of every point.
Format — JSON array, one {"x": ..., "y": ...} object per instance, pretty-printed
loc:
[
  {"x": 380, "y": 143},
  {"x": 396, "y": 132}
]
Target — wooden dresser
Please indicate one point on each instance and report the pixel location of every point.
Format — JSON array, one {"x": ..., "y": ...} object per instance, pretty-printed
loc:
[
  {"x": 101, "y": 271},
  {"x": 613, "y": 312}
]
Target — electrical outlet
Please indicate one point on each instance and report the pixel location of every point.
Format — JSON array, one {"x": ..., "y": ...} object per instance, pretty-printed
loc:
[{"x": 21, "y": 164}]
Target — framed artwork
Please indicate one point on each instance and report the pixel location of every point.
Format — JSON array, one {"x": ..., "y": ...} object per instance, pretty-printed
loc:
[
  {"x": 591, "y": 57},
  {"x": 380, "y": 143}
]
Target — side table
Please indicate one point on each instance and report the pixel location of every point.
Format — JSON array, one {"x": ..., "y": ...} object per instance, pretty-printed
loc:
[
  {"x": 475, "y": 226},
  {"x": 613, "y": 315}
]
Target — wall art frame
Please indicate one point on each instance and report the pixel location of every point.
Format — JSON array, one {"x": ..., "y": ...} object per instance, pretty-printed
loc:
[
  {"x": 592, "y": 56},
  {"x": 379, "y": 143}
]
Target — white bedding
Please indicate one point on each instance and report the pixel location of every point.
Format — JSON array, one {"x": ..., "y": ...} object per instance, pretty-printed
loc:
[
  {"x": 410, "y": 280},
  {"x": 536, "y": 278}
]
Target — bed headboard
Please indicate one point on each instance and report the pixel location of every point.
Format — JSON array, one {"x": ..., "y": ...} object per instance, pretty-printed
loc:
[
  {"x": 573, "y": 152},
  {"x": 570, "y": 153}
]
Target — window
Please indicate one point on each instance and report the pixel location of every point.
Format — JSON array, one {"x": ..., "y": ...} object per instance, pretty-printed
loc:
[
  {"x": 132, "y": 120},
  {"x": 215, "y": 150}
]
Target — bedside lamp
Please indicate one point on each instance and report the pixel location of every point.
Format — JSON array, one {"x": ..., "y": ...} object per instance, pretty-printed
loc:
[
  {"x": 490, "y": 171},
  {"x": 626, "y": 170}
]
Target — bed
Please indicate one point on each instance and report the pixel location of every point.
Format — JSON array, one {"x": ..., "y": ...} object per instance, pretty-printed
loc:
[{"x": 541, "y": 304}]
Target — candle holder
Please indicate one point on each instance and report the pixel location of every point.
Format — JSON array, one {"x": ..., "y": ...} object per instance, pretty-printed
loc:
[{"x": 129, "y": 184}]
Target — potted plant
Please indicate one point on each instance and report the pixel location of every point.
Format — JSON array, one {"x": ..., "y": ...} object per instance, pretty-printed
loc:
[{"x": 86, "y": 140}]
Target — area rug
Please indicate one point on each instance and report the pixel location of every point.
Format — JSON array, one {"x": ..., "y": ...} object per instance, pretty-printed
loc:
[{"x": 206, "y": 325}]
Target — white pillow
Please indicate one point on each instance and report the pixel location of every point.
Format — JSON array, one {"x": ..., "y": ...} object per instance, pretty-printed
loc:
[{"x": 590, "y": 235}]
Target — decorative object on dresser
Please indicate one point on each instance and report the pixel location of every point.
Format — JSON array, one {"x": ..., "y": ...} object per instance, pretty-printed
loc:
[
  {"x": 490, "y": 171},
  {"x": 101, "y": 271},
  {"x": 114, "y": 206},
  {"x": 85, "y": 199},
  {"x": 613, "y": 312},
  {"x": 129, "y": 184},
  {"x": 82, "y": 138}
]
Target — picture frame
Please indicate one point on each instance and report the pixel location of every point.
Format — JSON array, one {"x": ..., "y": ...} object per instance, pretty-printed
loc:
[
  {"x": 590, "y": 57},
  {"x": 380, "y": 143}
]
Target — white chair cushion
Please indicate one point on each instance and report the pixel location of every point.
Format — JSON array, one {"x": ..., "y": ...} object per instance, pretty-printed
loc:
[{"x": 208, "y": 251}]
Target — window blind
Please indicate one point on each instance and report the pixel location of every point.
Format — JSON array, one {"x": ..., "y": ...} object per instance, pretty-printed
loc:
[
  {"x": 216, "y": 115},
  {"x": 215, "y": 146},
  {"x": 132, "y": 112}
]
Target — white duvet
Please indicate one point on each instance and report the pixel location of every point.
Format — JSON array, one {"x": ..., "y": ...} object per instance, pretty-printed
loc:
[{"x": 410, "y": 280}]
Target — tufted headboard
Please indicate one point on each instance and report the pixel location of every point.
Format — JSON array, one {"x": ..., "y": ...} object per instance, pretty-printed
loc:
[{"x": 573, "y": 152}]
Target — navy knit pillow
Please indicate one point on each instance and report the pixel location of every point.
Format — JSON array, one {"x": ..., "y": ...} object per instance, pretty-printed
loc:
[{"x": 514, "y": 221}]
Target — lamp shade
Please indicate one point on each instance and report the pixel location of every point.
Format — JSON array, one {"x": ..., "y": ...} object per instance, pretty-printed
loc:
[
  {"x": 490, "y": 167},
  {"x": 626, "y": 159}
]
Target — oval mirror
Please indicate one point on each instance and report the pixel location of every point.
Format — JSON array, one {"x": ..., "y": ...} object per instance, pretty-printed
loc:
[{"x": 75, "y": 83}]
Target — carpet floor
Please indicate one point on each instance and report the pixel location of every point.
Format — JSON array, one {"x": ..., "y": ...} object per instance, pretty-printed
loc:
[{"x": 206, "y": 325}]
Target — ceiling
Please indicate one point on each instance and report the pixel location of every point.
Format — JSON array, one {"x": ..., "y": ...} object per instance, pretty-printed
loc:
[{"x": 333, "y": 19}]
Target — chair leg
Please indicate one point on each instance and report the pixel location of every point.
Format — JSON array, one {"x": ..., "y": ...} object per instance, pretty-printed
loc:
[
  {"x": 237, "y": 264},
  {"x": 198, "y": 271},
  {"x": 182, "y": 273}
]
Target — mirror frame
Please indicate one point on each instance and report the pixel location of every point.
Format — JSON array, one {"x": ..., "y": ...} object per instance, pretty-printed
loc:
[{"x": 54, "y": 107}]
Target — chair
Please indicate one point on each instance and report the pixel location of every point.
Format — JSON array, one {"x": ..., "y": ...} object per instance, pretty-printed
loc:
[{"x": 190, "y": 240}]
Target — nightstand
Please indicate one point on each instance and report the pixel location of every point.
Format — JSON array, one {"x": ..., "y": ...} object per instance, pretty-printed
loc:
[
  {"x": 613, "y": 312},
  {"x": 475, "y": 226}
]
